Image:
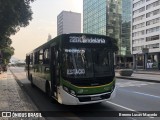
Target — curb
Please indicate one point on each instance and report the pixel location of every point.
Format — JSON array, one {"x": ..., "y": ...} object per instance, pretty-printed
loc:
[
  {"x": 138, "y": 79},
  {"x": 147, "y": 73}
]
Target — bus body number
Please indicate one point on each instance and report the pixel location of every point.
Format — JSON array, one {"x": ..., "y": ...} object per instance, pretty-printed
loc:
[{"x": 75, "y": 71}]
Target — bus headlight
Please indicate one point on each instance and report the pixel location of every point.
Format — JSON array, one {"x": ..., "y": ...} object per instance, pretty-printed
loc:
[
  {"x": 70, "y": 91},
  {"x": 65, "y": 88}
]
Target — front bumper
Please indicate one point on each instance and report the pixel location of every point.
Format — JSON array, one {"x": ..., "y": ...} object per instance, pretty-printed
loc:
[{"x": 67, "y": 99}]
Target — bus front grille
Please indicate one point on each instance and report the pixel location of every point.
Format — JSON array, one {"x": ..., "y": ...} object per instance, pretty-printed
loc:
[{"x": 94, "y": 98}]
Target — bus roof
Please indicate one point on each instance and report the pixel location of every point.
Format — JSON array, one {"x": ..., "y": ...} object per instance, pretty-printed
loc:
[{"x": 76, "y": 39}]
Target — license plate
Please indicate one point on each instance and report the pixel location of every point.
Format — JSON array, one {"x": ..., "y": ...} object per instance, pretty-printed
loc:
[{"x": 96, "y": 98}]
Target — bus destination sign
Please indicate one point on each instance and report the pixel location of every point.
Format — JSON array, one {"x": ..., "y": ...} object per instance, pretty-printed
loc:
[{"x": 84, "y": 39}]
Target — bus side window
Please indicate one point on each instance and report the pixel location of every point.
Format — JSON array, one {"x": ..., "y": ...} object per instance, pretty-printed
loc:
[
  {"x": 46, "y": 56},
  {"x": 40, "y": 60},
  {"x": 36, "y": 58},
  {"x": 31, "y": 59}
]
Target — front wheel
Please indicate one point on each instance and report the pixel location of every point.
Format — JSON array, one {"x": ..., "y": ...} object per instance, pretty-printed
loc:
[{"x": 49, "y": 92}]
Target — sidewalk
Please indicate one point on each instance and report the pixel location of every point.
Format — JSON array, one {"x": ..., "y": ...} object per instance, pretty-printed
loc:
[
  {"x": 12, "y": 98},
  {"x": 148, "y": 76},
  {"x": 156, "y": 72}
]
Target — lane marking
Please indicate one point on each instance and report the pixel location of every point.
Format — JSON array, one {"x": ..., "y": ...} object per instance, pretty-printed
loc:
[
  {"x": 147, "y": 94},
  {"x": 133, "y": 83},
  {"x": 133, "y": 119},
  {"x": 140, "y": 93}
]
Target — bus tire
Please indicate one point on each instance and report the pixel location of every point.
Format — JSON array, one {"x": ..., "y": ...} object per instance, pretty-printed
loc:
[
  {"x": 48, "y": 89},
  {"x": 48, "y": 92}
]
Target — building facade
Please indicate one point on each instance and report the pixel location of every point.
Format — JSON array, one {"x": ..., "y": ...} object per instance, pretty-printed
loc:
[
  {"x": 111, "y": 18},
  {"x": 126, "y": 26},
  {"x": 145, "y": 43},
  {"x": 68, "y": 22},
  {"x": 102, "y": 17},
  {"x": 94, "y": 16}
]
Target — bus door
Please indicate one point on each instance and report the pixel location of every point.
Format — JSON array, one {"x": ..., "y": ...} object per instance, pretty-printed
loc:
[{"x": 54, "y": 69}]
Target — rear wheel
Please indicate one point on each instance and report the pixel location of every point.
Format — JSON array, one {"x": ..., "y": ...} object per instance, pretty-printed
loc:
[{"x": 48, "y": 90}]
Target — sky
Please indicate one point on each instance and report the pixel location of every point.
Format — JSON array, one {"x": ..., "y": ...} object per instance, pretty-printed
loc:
[{"x": 44, "y": 22}]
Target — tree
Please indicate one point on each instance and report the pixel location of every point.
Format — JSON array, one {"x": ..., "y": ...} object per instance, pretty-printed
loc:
[
  {"x": 13, "y": 15},
  {"x": 7, "y": 52}
]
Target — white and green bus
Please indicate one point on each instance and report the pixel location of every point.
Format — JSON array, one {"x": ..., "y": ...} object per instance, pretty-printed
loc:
[{"x": 74, "y": 69}]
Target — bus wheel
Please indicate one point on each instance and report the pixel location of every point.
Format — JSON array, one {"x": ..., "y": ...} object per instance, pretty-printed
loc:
[{"x": 48, "y": 92}]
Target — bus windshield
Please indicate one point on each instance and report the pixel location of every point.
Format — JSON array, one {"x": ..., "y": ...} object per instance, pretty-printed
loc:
[{"x": 86, "y": 62}]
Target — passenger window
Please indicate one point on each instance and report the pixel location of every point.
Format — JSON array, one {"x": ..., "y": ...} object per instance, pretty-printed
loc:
[{"x": 46, "y": 56}]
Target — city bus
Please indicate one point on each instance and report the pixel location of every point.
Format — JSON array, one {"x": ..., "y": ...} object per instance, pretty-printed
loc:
[{"x": 74, "y": 69}]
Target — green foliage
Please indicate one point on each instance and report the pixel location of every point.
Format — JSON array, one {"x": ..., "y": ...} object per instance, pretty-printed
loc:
[
  {"x": 13, "y": 15},
  {"x": 5, "y": 42},
  {"x": 7, "y": 52}
]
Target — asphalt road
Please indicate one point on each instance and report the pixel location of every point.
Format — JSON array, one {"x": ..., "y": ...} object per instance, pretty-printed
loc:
[{"x": 132, "y": 96}]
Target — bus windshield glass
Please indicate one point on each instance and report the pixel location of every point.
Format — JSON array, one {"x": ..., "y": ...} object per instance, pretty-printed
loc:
[{"x": 86, "y": 62}]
